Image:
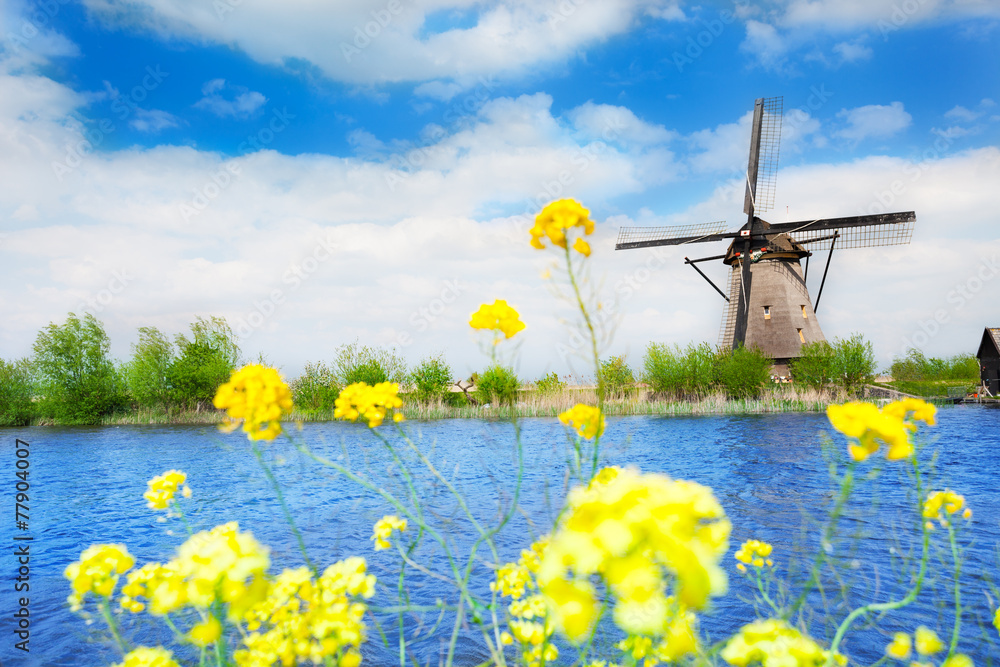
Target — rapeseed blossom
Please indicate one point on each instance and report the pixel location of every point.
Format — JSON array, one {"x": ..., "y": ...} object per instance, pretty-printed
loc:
[
  {"x": 258, "y": 396},
  {"x": 162, "y": 489},
  {"x": 383, "y": 530},
  {"x": 774, "y": 642},
  {"x": 497, "y": 316},
  {"x": 306, "y": 620},
  {"x": 636, "y": 531},
  {"x": 891, "y": 425},
  {"x": 556, "y": 219},
  {"x": 940, "y": 502},
  {"x": 900, "y": 646},
  {"x": 97, "y": 571},
  {"x": 222, "y": 565},
  {"x": 148, "y": 657},
  {"x": 753, "y": 552},
  {"x": 360, "y": 401},
  {"x": 926, "y": 641},
  {"x": 587, "y": 420}
]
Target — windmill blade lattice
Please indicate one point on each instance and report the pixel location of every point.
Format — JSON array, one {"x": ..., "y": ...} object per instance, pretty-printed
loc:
[
  {"x": 647, "y": 234},
  {"x": 767, "y": 158}
]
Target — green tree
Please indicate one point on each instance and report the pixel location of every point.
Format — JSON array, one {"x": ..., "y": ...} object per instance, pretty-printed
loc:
[
  {"x": 615, "y": 376},
  {"x": 205, "y": 362},
  {"x": 675, "y": 372},
  {"x": 743, "y": 372},
  {"x": 16, "y": 393},
  {"x": 316, "y": 389},
  {"x": 371, "y": 365},
  {"x": 77, "y": 379},
  {"x": 853, "y": 362},
  {"x": 814, "y": 366},
  {"x": 497, "y": 384},
  {"x": 549, "y": 384},
  {"x": 146, "y": 372},
  {"x": 431, "y": 378}
]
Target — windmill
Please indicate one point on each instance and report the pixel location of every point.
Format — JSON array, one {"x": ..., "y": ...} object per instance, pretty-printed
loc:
[{"x": 767, "y": 304}]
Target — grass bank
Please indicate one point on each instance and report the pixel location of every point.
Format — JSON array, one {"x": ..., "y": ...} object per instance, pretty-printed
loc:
[{"x": 639, "y": 401}]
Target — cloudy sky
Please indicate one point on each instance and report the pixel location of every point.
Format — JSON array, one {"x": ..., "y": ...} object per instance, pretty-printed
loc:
[{"x": 318, "y": 172}]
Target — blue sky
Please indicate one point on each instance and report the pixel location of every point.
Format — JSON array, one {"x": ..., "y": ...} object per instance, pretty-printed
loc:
[{"x": 165, "y": 159}]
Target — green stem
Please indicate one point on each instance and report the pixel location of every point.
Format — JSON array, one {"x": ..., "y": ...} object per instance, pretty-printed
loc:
[
  {"x": 958, "y": 591},
  {"x": 105, "y": 608},
  {"x": 894, "y": 604},
  {"x": 284, "y": 507}
]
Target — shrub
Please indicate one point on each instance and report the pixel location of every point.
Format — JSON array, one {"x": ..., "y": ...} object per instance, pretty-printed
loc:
[
  {"x": 615, "y": 376},
  {"x": 853, "y": 362},
  {"x": 16, "y": 392},
  {"x": 497, "y": 384},
  {"x": 206, "y": 361},
  {"x": 743, "y": 372},
  {"x": 78, "y": 381},
  {"x": 675, "y": 372},
  {"x": 915, "y": 366},
  {"x": 316, "y": 389},
  {"x": 431, "y": 378},
  {"x": 549, "y": 384},
  {"x": 814, "y": 367},
  {"x": 371, "y": 365},
  {"x": 146, "y": 372}
]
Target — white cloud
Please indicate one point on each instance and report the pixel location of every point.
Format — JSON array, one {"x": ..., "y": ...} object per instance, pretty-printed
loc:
[
  {"x": 873, "y": 120},
  {"x": 438, "y": 90},
  {"x": 153, "y": 120},
  {"x": 240, "y": 102},
  {"x": 364, "y": 43},
  {"x": 766, "y": 44},
  {"x": 617, "y": 124},
  {"x": 851, "y": 52}
]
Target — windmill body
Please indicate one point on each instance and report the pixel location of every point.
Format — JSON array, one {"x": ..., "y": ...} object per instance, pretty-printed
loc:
[{"x": 768, "y": 305}]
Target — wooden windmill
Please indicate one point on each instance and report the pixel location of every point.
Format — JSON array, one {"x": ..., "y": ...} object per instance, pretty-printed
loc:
[{"x": 768, "y": 305}]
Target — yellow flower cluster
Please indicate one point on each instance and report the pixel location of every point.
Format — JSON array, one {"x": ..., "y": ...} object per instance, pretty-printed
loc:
[
  {"x": 588, "y": 421},
  {"x": 162, "y": 489},
  {"x": 555, "y": 219},
  {"x": 258, "y": 396},
  {"x": 222, "y": 565},
  {"x": 383, "y": 530},
  {"x": 634, "y": 529},
  {"x": 303, "y": 620},
  {"x": 753, "y": 552},
  {"x": 924, "y": 640},
  {"x": 497, "y": 316},
  {"x": 891, "y": 425},
  {"x": 774, "y": 643},
  {"x": 206, "y": 633},
  {"x": 679, "y": 640},
  {"x": 148, "y": 657},
  {"x": 947, "y": 501},
  {"x": 530, "y": 625},
  {"x": 97, "y": 572},
  {"x": 360, "y": 401}
]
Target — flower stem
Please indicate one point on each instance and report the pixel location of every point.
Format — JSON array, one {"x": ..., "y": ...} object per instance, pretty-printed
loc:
[{"x": 284, "y": 507}]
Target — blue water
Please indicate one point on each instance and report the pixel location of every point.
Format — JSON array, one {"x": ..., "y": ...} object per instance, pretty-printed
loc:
[{"x": 768, "y": 472}]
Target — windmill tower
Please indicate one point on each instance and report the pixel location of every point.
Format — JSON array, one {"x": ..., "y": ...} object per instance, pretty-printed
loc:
[{"x": 767, "y": 303}]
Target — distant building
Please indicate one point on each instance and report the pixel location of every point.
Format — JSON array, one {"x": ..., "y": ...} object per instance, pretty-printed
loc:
[{"x": 989, "y": 360}]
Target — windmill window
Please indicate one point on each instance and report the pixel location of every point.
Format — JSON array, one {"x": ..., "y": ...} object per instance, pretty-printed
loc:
[
  {"x": 805, "y": 315},
  {"x": 767, "y": 312},
  {"x": 801, "y": 337}
]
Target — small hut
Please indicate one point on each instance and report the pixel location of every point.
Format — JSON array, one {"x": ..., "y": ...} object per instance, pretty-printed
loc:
[{"x": 989, "y": 360}]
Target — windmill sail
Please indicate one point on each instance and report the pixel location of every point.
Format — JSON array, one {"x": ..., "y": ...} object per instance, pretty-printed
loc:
[{"x": 765, "y": 142}]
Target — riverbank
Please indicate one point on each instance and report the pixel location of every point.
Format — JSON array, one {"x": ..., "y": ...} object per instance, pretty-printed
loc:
[{"x": 532, "y": 404}]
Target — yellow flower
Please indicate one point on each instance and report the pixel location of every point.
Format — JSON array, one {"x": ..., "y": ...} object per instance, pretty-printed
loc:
[
  {"x": 638, "y": 531},
  {"x": 892, "y": 426},
  {"x": 556, "y": 219},
  {"x": 258, "y": 396},
  {"x": 754, "y": 552},
  {"x": 205, "y": 633},
  {"x": 303, "y": 620},
  {"x": 359, "y": 401},
  {"x": 163, "y": 487},
  {"x": 383, "y": 530},
  {"x": 582, "y": 247},
  {"x": 497, "y": 316},
  {"x": 588, "y": 421},
  {"x": 148, "y": 657},
  {"x": 97, "y": 571},
  {"x": 573, "y": 605},
  {"x": 939, "y": 502},
  {"x": 958, "y": 660},
  {"x": 927, "y": 642},
  {"x": 996, "y": 619},
  {"x": 900, "y": 646},
  {"x": 774, "y": 642}
]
